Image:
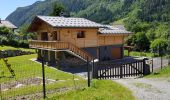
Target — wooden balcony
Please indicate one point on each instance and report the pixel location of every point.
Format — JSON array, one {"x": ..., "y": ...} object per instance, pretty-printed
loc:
[
  {"x": 59, "y": 45},
  {"x": 36, "y": 44}
]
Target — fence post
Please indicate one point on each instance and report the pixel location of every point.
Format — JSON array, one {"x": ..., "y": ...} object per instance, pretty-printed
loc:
[
  {"x": 144, "y": 66},
  {"x": 43, "y": 75},
  {"x": 161, "y": 62},
  {"x": 88, "y": 72},
  {"x": 92, "y": 69},
  {"x": 94, "y": 75},
  {"x": 168, "y": 59},
  {"x": 0, "y": 92},
  {"x": 152, "y": 64},
  {"x": 121, "y": 73},
  {"x": 95, "y": 70}
]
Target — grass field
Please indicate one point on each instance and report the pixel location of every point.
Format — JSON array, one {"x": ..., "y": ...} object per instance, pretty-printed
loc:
[
  {"x": 165, "y": 72},
  {"x": 60, "y": 85},
  {"x": 15, "y": 48},
  {"x": 135, "y": 53},
  {"x": 100, "y": 90}
]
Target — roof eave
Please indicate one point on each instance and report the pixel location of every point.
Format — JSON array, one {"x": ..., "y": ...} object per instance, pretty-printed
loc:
[{"x": 74, "y": 27}]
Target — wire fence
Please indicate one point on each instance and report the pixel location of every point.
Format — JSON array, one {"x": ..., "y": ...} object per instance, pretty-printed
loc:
[
  {"x": 28, "y": 81},
  {"x": 158, "y": 63}
]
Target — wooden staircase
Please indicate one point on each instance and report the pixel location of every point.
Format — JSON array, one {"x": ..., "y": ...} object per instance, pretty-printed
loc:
[
  {"x": 61, "y": 46},
  {"x": 7, "y": 64}
]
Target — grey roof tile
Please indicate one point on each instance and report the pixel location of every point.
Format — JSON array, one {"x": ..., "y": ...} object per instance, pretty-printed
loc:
[
  {"x": 69, "y": 22},
  {"x": 82, "y": 23},
  {"x": 113, "y": 30},
  {"x": 7, "y": 24}
]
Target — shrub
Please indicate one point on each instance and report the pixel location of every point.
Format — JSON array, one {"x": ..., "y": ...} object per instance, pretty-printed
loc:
[
  {"x": 23, "y": 44},
  {"x": 159, "y": 45},
  {"x": 13, "y": 43},
  {"x": 141, "y": 41},
  {"x": 3, "y": 40}
]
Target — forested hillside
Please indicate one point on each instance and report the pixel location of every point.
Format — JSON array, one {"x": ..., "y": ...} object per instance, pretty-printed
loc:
[
  {"x": 148, "y": 19},
  {"x": 103, "y": 11}
]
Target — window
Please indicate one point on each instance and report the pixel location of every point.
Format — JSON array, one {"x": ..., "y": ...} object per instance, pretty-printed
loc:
[
  {"x": 55, "y": 35},
  {"x": 81, "y": 34},
  {"x": 44, "y": 36}
]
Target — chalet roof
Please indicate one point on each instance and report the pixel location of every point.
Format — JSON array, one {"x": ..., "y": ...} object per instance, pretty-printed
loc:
[
  {"x": 7, "y": 24},
  {"x": 69, "y": 22},
  {"x": 113, "y": 30}
]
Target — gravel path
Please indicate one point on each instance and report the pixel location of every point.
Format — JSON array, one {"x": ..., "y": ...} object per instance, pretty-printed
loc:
[{"x": 148, "y": 89}]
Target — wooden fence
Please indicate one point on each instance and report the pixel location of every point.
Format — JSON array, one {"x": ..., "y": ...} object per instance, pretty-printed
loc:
[{"x": 119, "y": 70}]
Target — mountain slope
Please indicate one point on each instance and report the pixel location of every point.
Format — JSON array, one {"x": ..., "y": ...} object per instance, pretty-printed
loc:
[
  {"x": 96, "y": 10},
  {"x": 103, "y": 11},
  {"x": 24, "y": 15}
]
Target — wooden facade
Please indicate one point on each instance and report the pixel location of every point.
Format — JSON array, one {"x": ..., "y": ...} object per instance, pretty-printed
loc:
[{"x": 92, "y": 38}]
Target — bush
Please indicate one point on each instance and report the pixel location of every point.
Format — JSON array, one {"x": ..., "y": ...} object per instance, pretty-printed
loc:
[
  {"x": 13, "y": 42},
  {"x": 3, "y": 40},
  {"x": 159, "y": 45},
  {"x": 23, "y": 44}
]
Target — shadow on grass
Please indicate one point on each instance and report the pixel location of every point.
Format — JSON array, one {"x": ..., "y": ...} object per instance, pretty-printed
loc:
[{"x": 7, "y": 77}]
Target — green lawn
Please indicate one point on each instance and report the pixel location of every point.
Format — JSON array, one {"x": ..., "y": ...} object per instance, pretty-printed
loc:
[
  {"x": 26, "y": 69},
  {"x": 100, "y": 90},
  {"x": 135, "y": 53},
  {"x": 15, "y": 48},
  {"x": 165, "y": 72}
]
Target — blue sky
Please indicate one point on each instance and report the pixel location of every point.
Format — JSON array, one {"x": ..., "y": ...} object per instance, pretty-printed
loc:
[{"x": 8, "y": 6}]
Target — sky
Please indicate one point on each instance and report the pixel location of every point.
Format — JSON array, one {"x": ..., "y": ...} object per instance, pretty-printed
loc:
[{"x": 8, "y": 6}]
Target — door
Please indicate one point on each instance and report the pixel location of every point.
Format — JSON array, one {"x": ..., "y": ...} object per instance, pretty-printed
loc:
[
  {"x": 44, "y": 36},
  {"x": 116, "y": 53},
  {"x": 80, "y": 39}
]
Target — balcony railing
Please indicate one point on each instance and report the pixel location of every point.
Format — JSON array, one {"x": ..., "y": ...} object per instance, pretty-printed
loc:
[
  {"x": 59, "y": 45},
  {"x": 48, "y": 44}
]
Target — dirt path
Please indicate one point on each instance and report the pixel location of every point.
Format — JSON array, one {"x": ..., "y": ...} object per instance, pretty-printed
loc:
[{"x": 148, "y": 89}]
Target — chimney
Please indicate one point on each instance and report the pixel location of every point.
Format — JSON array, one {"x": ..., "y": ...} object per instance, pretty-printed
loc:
[{"x": 64, "y": 14}]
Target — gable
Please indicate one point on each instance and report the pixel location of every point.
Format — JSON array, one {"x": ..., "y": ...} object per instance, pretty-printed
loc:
[{"x": 37, "y": 25}]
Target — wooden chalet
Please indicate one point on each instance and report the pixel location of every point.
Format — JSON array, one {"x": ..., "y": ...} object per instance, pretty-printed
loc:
[{"x": 83, "y": 38}]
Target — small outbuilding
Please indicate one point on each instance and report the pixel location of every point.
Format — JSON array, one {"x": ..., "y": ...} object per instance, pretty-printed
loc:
[{"x": 5, "y": 23}]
